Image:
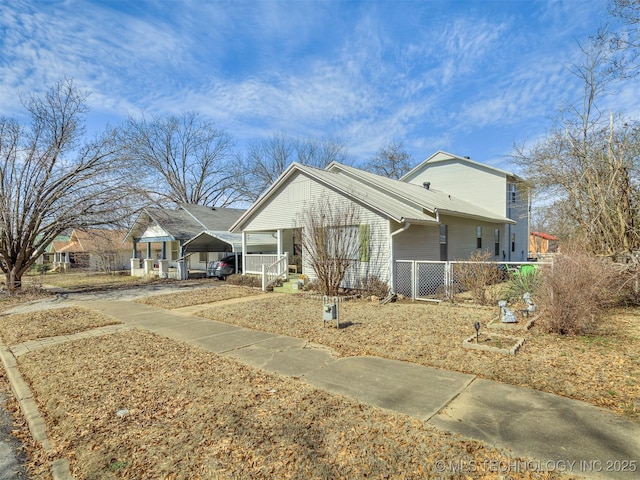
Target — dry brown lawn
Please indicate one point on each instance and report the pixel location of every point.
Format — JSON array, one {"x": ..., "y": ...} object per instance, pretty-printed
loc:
[
  {"x": 602, "y": 369},
  {"x": 198, "y": 297},
  {"x": 85, "y": 280},
  {"x": 137, "y": 405},
  {"x": 22, "y": 327}
]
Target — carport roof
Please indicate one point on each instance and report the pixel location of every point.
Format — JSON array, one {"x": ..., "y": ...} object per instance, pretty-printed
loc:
[{"x": 211, "y": 241}]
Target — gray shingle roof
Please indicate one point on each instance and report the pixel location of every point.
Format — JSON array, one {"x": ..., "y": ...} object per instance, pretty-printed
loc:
[{"x": 185, "y": 222}]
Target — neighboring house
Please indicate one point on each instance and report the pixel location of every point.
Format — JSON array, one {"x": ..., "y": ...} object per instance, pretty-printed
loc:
[
  {"x": 93, "y": 249},
  {"x": 48, "y": 257},
  {"x": 542, "y": 243},
  {"x": 187, "y": 238},
  {"x": 496, "y": 190},
  {"x": 402, "y": 220}
]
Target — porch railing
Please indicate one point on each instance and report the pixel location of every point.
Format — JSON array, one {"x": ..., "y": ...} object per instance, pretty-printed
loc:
[
  {"x": 278, "y": 269},
  {"x": 254, "y": 262}
]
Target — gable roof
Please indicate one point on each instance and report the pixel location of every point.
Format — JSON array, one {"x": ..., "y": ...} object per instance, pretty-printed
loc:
[
  {"x": 95, "y": 240},
  {"x": 441, "y": 156},
  {"x": 396, "y": 200},
  {"x": 430, "y": 199},
  {"x": 543, "y": 235},
  {"x": 185, "y": 222},
  {"x": 213, "y": 218}
]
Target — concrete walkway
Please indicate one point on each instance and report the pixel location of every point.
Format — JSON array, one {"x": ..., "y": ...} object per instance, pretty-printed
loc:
[{"x": 559, "y": 433}]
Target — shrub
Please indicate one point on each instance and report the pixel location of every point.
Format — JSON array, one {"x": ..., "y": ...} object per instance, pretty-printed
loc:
[
  {"x": 40, "y": 268},
  {"x": 575, "y": 292},
  {"x": 372, "y": 285},
  {"x": 244, "y": 280},
  {"x": 476, "y": 275},
  {"x": 520, "y": 283}
]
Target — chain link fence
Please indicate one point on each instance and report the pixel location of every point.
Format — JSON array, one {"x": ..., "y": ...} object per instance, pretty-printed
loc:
[{"x": 438, "y": 281}]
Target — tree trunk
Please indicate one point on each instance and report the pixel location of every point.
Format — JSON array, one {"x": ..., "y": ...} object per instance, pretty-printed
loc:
[{"x": 13, "y": 280}]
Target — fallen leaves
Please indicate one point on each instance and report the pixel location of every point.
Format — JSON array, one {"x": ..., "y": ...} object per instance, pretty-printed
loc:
[
  {"x": 192, "y": 414},
  {"x": 22, "y": 327}
]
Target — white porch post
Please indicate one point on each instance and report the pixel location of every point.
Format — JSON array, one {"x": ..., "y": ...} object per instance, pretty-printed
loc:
[
  {"x": 279, "y": 240},
  {"x": 244, "y": 251}
]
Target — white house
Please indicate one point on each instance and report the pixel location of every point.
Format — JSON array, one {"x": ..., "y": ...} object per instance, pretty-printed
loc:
[
  {"x": 491, "y": 188},
  {"x": 166, "y": 235},
  {"x": 405, "y": 220}
]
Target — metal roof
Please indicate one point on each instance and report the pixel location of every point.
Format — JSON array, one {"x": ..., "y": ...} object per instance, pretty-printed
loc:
[
  {"x": 211, "y": 241},
  {"x": 419, "y": 196},
  {"x": 394, "y": 199}
]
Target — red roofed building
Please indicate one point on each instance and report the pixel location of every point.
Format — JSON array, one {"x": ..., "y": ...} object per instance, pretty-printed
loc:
[{"x": 541, "y": 243}]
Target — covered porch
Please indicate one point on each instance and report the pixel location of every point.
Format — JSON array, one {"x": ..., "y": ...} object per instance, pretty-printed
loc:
[{"x": 280, "y": 252}]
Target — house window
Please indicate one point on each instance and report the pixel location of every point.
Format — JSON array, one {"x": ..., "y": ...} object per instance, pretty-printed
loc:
[
  {"x": 496, "y": 242},
  {"x": 343, "y": 242},
  {"x": 478, "y": 237},
  {"x": 443, "y": 243},
  {"x": 175, "y": 250},
  {"x": 512, "y": 193},
  {"x": 203, "y": 257},
  {"x": 513, "y": 242}
]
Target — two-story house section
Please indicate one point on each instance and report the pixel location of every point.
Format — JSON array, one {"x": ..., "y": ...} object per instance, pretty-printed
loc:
[{"x": 490, "y": 188}]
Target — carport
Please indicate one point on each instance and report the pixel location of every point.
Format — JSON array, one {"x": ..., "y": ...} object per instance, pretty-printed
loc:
[
  {"x": 210, "y": 241},
  {"x": 214, "y": 241}
]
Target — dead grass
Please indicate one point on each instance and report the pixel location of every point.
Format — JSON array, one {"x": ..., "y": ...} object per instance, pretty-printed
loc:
[
  {"x": 199, "y": 296},
  {"x": 81, "y": 279},
  {"x": 138, "y": 405},
  {"x": 22, "y": 327},
  {"x": 602, "y": 369},
  {"x": 192, "y": 414}
]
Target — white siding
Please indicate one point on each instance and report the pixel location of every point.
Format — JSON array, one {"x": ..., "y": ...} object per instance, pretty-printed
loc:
[
  {"x": 421, "y": 242},
  {"x": 471, "y": 183},
  {"x": 520, "y": 213},
  {"x": 286, "y": 205},
  {"x": 281, "y": 212},
  {"x": 463, "y": 239}
]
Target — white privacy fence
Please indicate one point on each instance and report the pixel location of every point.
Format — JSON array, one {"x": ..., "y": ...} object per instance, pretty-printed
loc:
[{"x": 437, "y": 281}]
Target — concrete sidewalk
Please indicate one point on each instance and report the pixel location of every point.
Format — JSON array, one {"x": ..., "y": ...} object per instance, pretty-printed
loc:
[{"x": 559, "y": 433}]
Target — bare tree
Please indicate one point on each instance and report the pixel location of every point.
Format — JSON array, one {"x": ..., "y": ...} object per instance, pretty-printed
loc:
[
  {"x": 52, "y": 181},
  {"x": 391, "y": 161},
  {"x": 267, "y": 159},
  {"x": 332, "y": 241},
  {"x": 625, "y": 42},
  {"x": 588, "y": 165},
  {"x": 182, "y": 159}
]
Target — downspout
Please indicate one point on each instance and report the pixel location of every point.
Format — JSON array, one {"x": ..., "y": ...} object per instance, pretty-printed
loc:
[{"x": 404, "y": 228}]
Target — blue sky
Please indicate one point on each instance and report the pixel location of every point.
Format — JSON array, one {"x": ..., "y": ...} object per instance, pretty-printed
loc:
[{"x": 468, "y": 77}]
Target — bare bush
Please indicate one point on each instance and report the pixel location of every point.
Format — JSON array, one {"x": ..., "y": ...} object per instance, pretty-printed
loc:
[
  {"x": 333, "y": 241},
  {"x": 576, "y": 291},
  {"x": 477, "y": 275},
  {"x": 372, "y": 285},
  {"x": 244, "y": 280}
]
